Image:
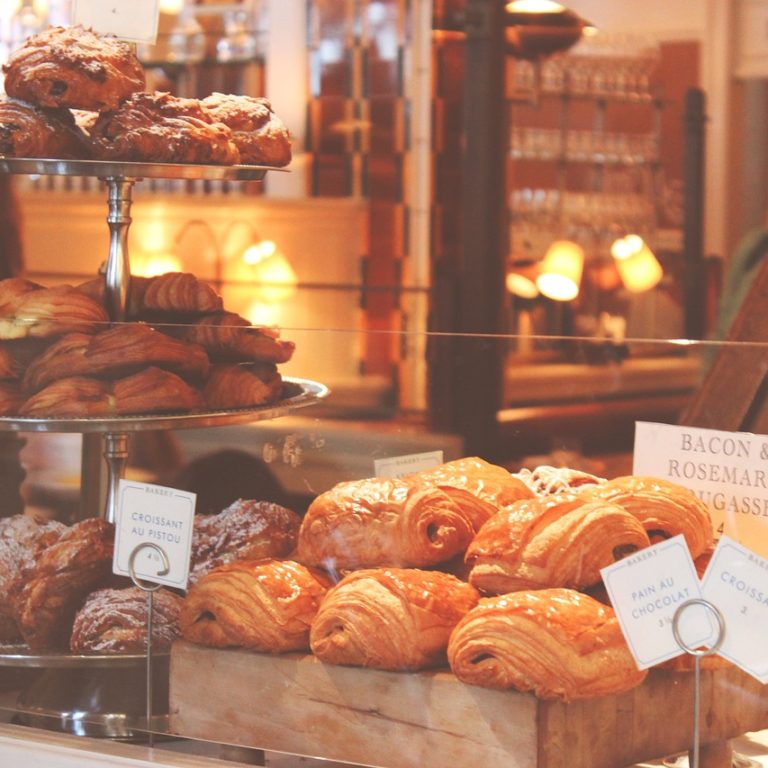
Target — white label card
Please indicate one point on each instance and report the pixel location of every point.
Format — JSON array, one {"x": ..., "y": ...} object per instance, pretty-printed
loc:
[
  {"x": 134, "y": 20},
  {"x": 728, "y": 471},
  {"x": 151, "y": 516},
  {"x": 736, "y": 583},
  {"x": 646, "y": 589},
  {"x": 397, "y": 466}
]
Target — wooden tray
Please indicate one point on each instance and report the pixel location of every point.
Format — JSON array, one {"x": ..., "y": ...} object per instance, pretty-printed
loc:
[{"x": 431, "y": 720}]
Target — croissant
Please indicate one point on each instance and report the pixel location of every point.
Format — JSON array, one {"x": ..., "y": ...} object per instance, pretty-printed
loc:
[
  {"x": 66, "y": 572},
  {"x": 12, "y": 289},
  {"x": 11, "y": 398},
  {"x": 545, "y": 480},
  {"x": 383, "y": 521},
  {"x": 47, "y": 312},
  {"x": 390, "y": 618},
  {"x": 242, "y": 385},
  {"x": 16, "y": 355},
  {"x": 245, "y": 530},
  {"x": 560, "y": 541},
  {"x": 115, "y": 621},
  {"x": 28, "y": 131},
  {"x": 73, "y": 67},
  {"x": 664, "y": 508},
  {"x": 556, "y": 643},
  {"x": 264, "y": 605},
  {"x": 112, "y": 353}
]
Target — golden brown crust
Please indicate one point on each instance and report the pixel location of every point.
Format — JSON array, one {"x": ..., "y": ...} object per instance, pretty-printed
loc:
[
  {"x": 161, "y": 128},
  {"x": 664, "y": 508},
  {"x": 79, "y": 562},
  {"x": 556, "y": 643},
  {"x": 257, "y": 131},
  {"x": 73, "y": 67},
  {"x": 390, "y": 618},
  {"x": 29, "y": 131},
  {"x": 11, "y": 398},
  {"x": 383, "y": 522},
  {"x": 155, "y": 390},
  {"x": 16, "y": 355},
  {"x": 545, "y": 480},
  {"x": 242, "y": 385},
  {"x": 12, "y": 289},
  {"x": 113, "y": 353},
  {"x": 558, "y": 541},
  {"x": 265, "y": 605}
]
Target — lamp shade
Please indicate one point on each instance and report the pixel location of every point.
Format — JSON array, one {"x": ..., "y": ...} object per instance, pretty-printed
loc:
[
  {"x": 638, "y": 267},
  {"x": 539, "y": 28},
  {"x": 561, "y": 269},
  {"x": 521, "y": 280}
]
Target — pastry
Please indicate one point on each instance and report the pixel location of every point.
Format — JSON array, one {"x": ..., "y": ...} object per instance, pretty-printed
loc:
[
  {"x": 73, "y": 67},
  {"x": 78, "y": 563},
  {"x": 664, "y": 508},
  {"x": 115, "y": 621},
  {"x": 265, "y": 605},
  {"x": 242, "y": 385},
  {"x": 114, "y": 353},
  {"x": 28, "y": 131},
  {"x": 16, "y": 355},
  {"x": 397, "y": 619},
  {"x": 161, "y": 128},
  {"x": 383, "y": 522},
  {"x": 11, "y": 398},
  {"x": 27, "y": 311},
  {"x": 257, "y": 131},
  {"x": 557, "y": 541},
  {"x": 245, "y": 530},
  {"x": 545, "y": 480},
  {"x": 555, "y": 643},
  {"x": 150, "y": 391}
]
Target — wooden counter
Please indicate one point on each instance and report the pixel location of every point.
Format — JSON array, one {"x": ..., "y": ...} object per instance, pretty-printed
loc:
[{"x": 297, "y": 704}]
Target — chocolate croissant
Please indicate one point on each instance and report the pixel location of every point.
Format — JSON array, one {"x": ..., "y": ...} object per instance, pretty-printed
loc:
[
  {"x": 114, "y": 353},
  {"x": 390, "y": 618},
  {"x": 664, "y": 508},
  {"x": 265, "y": 605},
  {"x": 383, "y": 521},
  {"x": 555, "y": 643},
  {"x": 559, "y": 541}
]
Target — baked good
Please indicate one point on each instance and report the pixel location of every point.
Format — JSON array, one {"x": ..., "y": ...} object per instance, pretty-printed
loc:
[
  {"x": 265, "y": 605},
  {"x": 246, "y": 530},
  {"x": 113, "y": 353},
  {"x": 383, "y": 522},
  {"x": 73, "y": 67},
  {"x": 257, "y": 131},
  {"x": 161, "y": 128},
  {"x": 397, "y": 619},
  {"x": 28, "y": 311},
  {"x": 151, "y": 390},
  {"x": 555, "y": 643},
  {"x": 545, "y": 480},
  {"x": 227, "y": 337},
  {"x": 29, "y": 131},
  {"x": 481, "y": 488},
  {"x": 115, "y": 621},
  {"x": 556, "y": 541},
  {"x": 664, "y": 508},
  {"x": 242, "y": 385},
  {"x": 79, "y": 562},
  {"x": 16, "y": 355},
  {"x": 11, "y": 398}
]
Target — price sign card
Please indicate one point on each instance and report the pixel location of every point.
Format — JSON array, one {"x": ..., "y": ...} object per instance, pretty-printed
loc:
[
  {"x": 397, "y": 466},
  {"x": 728, "y": 471},
  {"x": 646, "y": 589},
  {"x": 736, "y": 583},
  {"x": 149, "y": 517},
  {"x": 134, "y": 20}
]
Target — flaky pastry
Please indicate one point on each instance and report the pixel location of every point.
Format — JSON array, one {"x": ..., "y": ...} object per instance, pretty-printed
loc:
[{"x": 242, "y": 385}]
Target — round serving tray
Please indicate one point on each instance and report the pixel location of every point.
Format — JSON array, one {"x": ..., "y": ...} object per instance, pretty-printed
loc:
[
  {"x": 129, "y": 170},
  {"x": 21, "y": 657},
  {"x": 311, "y": 392}
]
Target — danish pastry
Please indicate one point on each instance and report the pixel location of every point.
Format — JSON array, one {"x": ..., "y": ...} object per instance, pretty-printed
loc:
[
  {"x": 265, "y": 605},
  {"x": 559, "y": 541},
  {"x": 390, "y": 618},
  {"x": 161, "y": 128},
  {"x": 242, "y": 385},
  {"x": 664, "y": 508},
  {"x": 115, "y": 621},
  {"x": 257, "y": 131},
  {"x": 73, "y": 67},
  {"x": 383, "y": 522},
  {"x": 555, "y": 643},
  {"x": 28, "y": 131}
]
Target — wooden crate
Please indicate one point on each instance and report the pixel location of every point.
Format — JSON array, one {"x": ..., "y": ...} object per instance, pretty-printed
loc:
[{"x": 297, "y": 704}]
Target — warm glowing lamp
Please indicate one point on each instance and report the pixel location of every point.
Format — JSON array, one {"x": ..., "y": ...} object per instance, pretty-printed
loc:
[
  {"x": 521, "y": 281},
  {"x": 275, "y": 277},
  {"x": 638, "y": 268},
  {"x": 561, "y": 269},
  {"x": 171, "y": 6},
  {"x": 537, "y": 29},
  {"x": 154, "y": 264}
]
